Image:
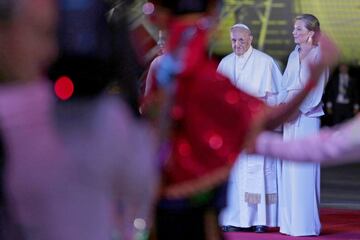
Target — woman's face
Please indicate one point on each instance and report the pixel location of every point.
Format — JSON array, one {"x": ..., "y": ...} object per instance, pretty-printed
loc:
[{"x": 301, "y": 33}]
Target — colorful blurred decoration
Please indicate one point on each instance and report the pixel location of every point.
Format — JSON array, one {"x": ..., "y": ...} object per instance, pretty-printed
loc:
[{"x": 272, "y": 22}]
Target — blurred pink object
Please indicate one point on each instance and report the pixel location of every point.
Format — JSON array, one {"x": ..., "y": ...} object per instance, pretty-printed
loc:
[
  {"x": 64, "y": 177},
  {"x": 337, "y": 145}
]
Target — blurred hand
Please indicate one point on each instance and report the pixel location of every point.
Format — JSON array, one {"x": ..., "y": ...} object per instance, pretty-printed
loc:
[{"x": 329, "y": 55}]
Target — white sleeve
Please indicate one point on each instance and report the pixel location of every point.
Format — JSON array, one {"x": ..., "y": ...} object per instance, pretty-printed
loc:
[
  {"x": 335, "y": 145},
  {"x": 314, "y": 97},
  {"x": 274, "y": 93}
]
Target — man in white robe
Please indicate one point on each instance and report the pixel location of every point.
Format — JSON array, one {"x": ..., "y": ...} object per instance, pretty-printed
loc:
[{"x": 252, "y": 191}]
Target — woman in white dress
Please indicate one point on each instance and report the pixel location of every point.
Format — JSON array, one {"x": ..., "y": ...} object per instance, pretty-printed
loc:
[{"x": 299, "y": 183}]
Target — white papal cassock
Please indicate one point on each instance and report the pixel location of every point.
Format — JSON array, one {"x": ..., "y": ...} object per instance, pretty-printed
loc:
[{"x": 252, "y": 191}]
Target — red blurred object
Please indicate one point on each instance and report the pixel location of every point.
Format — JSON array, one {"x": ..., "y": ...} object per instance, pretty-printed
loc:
[
  {"x": 210, "y": 118},
  {"x": 64, "y": 88}
]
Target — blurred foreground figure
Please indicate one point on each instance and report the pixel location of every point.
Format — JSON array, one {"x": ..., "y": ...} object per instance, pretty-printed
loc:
[
  {"x": 69, "y": 164},
  {"x": 203, "y": 120},
  {"x": 337, "y": 145},
  {"x": 27, "y": 47}
]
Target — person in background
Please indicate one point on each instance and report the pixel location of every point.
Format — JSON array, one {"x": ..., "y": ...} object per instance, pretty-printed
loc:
[
  {"x": 341, "y": 95},
  {"x": 67, "y": 164},
  {"x": 203, "y": 120},
  {"x": 161, "y": 44},
  {"x": 252, "y": 194},
  {"x": 299, "y": 183}
]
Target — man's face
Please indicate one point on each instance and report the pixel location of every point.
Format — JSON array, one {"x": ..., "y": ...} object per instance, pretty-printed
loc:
[
  {"x": 28, "y": 42},
  {"x": 240, "y": 40}
]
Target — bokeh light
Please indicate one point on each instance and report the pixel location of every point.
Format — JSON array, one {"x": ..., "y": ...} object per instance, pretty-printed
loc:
[
  {"x": 64, "y": 88},
  {"x": 148, "y": 8}
]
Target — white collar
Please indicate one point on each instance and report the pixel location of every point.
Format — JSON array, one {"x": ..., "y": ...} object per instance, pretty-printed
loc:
[{"x": 246, "y": 55}]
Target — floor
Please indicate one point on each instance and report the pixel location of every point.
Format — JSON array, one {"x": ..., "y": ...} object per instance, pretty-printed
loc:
[
  {"x": 340, "y": 207},
  {"x": 340, "y": 186}
]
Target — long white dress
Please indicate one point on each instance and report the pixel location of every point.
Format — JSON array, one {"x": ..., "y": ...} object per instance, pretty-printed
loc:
[
  {"x": 252, "y": 190},
  {"x": 299, "y": 183}
]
